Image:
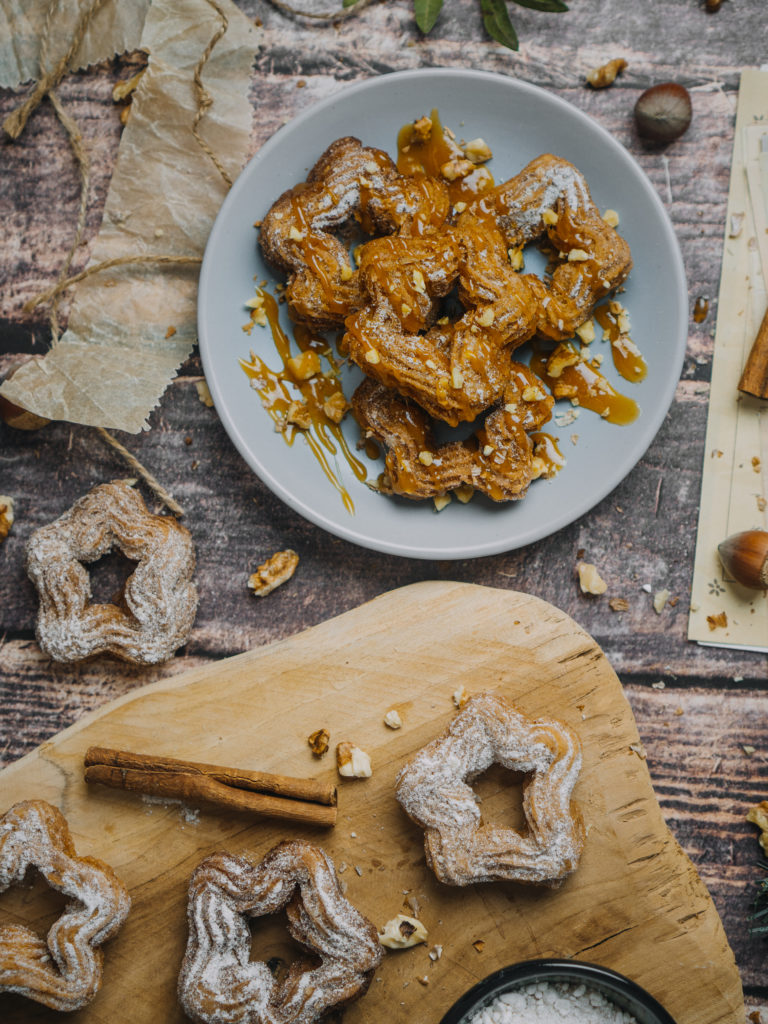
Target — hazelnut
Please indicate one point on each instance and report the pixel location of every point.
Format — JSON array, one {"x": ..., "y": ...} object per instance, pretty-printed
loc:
[
  {"x": 745, "y": 557},
  {"x": 663, "y": 112}
]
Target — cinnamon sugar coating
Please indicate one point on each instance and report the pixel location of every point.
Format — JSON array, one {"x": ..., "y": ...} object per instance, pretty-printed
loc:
[
  {"x": 63, "y": 971},
  {"x": 433, "y": 789},
  {"x": 154, "y": 614},
  {"x": 497, "y": 459},
  {"x": 218, "y": 982}
]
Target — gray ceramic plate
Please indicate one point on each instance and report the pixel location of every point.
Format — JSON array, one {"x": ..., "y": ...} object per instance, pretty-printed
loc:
[{"x": 520, "y": 122}]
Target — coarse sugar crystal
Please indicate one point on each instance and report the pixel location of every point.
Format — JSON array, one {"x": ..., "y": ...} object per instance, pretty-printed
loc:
[{"x": 545, "y": 1002}]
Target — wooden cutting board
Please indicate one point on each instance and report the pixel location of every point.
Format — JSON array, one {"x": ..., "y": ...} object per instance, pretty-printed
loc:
[{"x": 635, "y": 904}]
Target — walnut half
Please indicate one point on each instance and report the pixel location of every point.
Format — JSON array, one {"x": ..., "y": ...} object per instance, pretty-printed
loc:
[{"x": 276, "y": 570}]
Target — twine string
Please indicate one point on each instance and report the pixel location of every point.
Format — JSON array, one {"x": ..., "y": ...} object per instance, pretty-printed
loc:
[{"x": 16, "y": 121}]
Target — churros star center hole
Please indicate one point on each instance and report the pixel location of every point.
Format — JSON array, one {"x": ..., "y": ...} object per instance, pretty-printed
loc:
[
  {"x": 109, "y": 575},
  {"x": 500, "y": 795},
  {"x": 32, "y": 902}
]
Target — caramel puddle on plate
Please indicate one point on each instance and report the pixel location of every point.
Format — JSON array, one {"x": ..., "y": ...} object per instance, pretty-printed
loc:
[
  {"x": 281, "y": 392},
  {"x": 627, "y": 358},
  {"x": 587, "y": 388}
]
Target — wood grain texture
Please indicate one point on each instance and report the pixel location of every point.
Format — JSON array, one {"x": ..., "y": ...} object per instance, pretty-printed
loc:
[
  {"x": 634, "y": 902},
  {"x": 641, "y": 535}
]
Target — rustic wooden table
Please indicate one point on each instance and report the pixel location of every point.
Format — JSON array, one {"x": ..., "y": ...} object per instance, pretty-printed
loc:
[{"x": 697, "y": 708}]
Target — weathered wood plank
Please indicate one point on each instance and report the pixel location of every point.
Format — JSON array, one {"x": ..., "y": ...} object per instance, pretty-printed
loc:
[{"x": 642, "y": 534}]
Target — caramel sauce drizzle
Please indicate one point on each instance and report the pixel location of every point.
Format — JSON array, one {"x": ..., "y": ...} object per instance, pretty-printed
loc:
[
  {"x": 587, "y": 387},
  {"x": 546, "y": 448},
  {"x": 419, "y": 157},
  {"x": 277, "y": 390},
  {"x": 627, "y": 359},
  {"x": 318, "y": 259}
]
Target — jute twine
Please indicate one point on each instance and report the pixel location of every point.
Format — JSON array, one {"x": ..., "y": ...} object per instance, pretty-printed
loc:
[{"x": 14, "y": 125}]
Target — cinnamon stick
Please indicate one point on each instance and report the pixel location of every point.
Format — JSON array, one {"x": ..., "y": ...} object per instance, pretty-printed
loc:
[
  {"x": 279, "y": 796},
  {"x": 754, "y": 379}
]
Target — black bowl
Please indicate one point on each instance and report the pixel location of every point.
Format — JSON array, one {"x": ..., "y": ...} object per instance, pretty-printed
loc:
[{"x": 626, "y": 994}]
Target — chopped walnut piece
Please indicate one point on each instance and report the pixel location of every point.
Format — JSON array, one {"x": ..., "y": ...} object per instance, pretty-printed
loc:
[
  {"x": 6, "y": 516},
  {"x": 318, "y": 742},
  {"x": 611, "y": 218},
  {"x": 464, "y": 492},
  {"x": 586, "y": 332},
  {"x": 590, "y": 580},
  {"x": 352, "y": 762},
  {"x": 336, "y": 407},
  {"x": 563, "y": 356},
  {"x": 478, "y": 151},
  {"x": 275, "y": 571},
  {"x": 618, "y": 604},
  {"x": 660, "y": 599},
  {"x": 460, "y": 697},
  {"x": 456, "y": 168},
  {"x": 392, "y": 719},
  {"x": 346, "y": 272},
  {"x": 435, "y": 953},
  {"x": 639, "y": 749},
  {"x": 719, "y": 621},
  {"x": 516, "y": 258},
  {"x": 606, "y": 74},
  {"x": 402, "y": 932},
  {"x": 441, "y": 501},
  {"x": 479, "y": 945},
  {"x": 299, "y": 414},
  {"x": 304, "y": 366},
  {"x": 422, "y": 129},
  {"x": 549, "y": 217}
]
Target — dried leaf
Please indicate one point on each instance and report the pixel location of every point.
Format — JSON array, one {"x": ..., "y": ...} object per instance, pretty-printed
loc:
[
  {"x": 497, "y": 23},
  {"x": 427, "y": 13}
]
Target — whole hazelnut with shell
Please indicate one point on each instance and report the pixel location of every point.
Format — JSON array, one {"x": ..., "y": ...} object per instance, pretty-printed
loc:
[
  {"x": 745, "y": 557},
  {"x": 663, "y": 112}
]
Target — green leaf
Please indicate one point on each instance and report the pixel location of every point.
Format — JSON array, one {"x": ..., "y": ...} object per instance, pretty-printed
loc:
[
  {"x": 553, "y": 6},
  {"x": 497, "y": 23},
  {"x": 348, "y": 3},
  {"x": 427, "y": 12}
]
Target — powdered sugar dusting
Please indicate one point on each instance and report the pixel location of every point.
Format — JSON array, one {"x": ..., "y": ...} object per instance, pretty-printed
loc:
[
  {"x": 219, "y": 982},
  {"x": 65, "y": 972},
  {"x": 434, "y": 790}
]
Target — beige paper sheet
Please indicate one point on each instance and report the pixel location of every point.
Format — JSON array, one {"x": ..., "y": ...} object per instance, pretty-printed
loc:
[
  {"x": 130, "y": 328},
  {"x": 735, "y": 478},
  {"x": 116, "y": 28}
]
